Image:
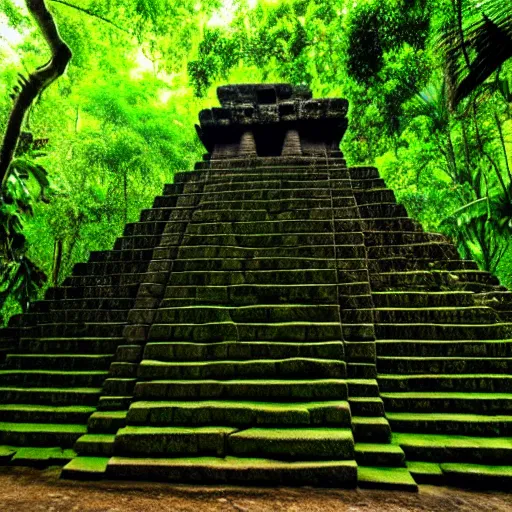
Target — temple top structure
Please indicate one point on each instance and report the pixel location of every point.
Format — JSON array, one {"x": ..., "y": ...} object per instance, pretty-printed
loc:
[{"x": 272, "y": 120}]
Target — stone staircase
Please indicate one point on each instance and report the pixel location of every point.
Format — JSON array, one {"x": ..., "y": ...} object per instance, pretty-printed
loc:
[
  {"x": 245, "y": 362},
  {"x": 273, "y": 319},
  {"x": 58, "y": 356},
  {"x": 443, "y": 352}
]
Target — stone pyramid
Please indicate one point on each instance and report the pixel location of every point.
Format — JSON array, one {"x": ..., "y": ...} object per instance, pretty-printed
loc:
[{"x": 275, "y": 318}]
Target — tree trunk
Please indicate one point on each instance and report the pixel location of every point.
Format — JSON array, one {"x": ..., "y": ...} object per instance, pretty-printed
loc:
[
  {"x": 29, "y": 88},
  {"x": 57, "y": 261}
]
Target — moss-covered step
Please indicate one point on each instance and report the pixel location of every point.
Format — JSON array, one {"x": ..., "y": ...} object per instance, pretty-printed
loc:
[
  {"x": 440, "y": 348},
  {"x": 238, "y": 413},
  {"x": 52, "y": 378},
  {"x": 40, "y": 434},
  {"x": 106, "y": 422},
  {"x": 239, "y": 350},
  {"x": 427, "y": 298},
  {"x": 239, "y": 295},
  {"x": 27, "y": 413},
  {"x": 95, "y": 445},
  {"x": 224, "y": 331},
  {"x": 453, "y": 332},
  {"x": 390, "y": 478},
  {"x": 478, "y": 476},
  {"x": 60, "y": 361},
  {"x": 371, "y": 429},
  {"x": 453, "y": 448},
  {"x": 443, "y": 365},
  {"x": 285, "y": 390},
  {"x": 444, "y": 423},
  {"x": 6, "y": 453},
  {"x": 375, "y": 454},
  {"x": 366, "y": 406},
  {"x": 448, "y": 402},
  {"x": 426, "y": 472},
  {"x": 176, "y": 441},
  {"x": 244, "y": 314},
  {"x": 42, "y": 457},
  {"x": 263, "y": 368},
  {"x": 442, "y": 315},
  {"x": 85, "y": 468},
  {"x": 246, "y": 471},
  {"x": 293, "y": 443},
  {"x": 70, "y": 345},
  {"x": 481, "y": 382}
]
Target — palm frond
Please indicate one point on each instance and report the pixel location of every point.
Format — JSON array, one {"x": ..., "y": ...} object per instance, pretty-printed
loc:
[{"x": 487, "y": 39}]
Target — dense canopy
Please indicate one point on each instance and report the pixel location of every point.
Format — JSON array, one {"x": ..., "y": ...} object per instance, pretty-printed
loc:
[{"x": 428, "y": 83}]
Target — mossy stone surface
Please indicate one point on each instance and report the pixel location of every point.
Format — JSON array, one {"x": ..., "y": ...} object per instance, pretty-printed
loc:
[
  {"x": 386, "y": 478},
  {"x": 85, "y": 468}
]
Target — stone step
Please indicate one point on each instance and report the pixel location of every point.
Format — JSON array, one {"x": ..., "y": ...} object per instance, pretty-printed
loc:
[
  {"x": 393, "y": 478},
  {"x": 95, "y": 445},
  {"x": 93, "y": 362},
  {"x": 40, "y": 434},
  {"x": 272, "y": 390},
  {"x": 230, "y": 331},
  {"x": 137, "y": 242},
  {"x": 268, "y": 227},
  {"x": 477, "y": 476},
  {"x": 363, "y": 173},
  {"x": 403, "y": 264},
  {"x": 440, "y": 448},
  {"x": 304, "y": 251},
  {"x": 270, "y": 194},
  {"x": 429, "y": 250},
  {"x": 382, "y": 210},
  {"x": 374, "y": 454},
  {"x": 363, "y": 388},
  {"x": 443, "y": 365},
  {"x": 251, "y": 369},
  {"x": 484, "y": 383},
  {"x": 80, "y": 330},
  {"x": 110, "y": 267},
  {"x": 440, "y": 348},
  {"x": 448, "y": 402},
  {"x": 366, "y": 406},
  {"x": 442, "y": 315},
  {"x": 423, "y": 299},
  {"x": 293, "y": 443},
  {"x": 70, "y": 345},
  {"x": 235, "y": 470},
  {"x": 371, "y": 429},
  {"x": 240, "y": 351},
  {"x": 443, "y": 331},
  {"x": 83, "y": 304},
  {"x": 93, "y": 292},
  {"x": 277, "y": 183},
  {"x": 273, "y": 277},
  {"x": 122, "y": 256},
  {"x": 428, "y": 473},
  {"x": 239, "y": 413},
  {"x": 239, "y": 295},
  {"x": 50, "y": 396},
  {"x": 451, "y": 423},
  {"x": 393, "y": 238},
  {"x": 106, "y": 422},
  {"x": 153, "y": 228},
  {"x": 26, "y": 413},
  {"x": 371, "y": 196},
  {"x": 39, "y": 457},
  {"x": 104, "y": 280},
  {"x": 257, "y": 241},
  {"x": 76, "y": 316},
  {"x": 432, "y": 279},
  {"x": 52, "y": 378},
  {"x": 274, "y": 263},
  {"x": 250, "y": 314}
]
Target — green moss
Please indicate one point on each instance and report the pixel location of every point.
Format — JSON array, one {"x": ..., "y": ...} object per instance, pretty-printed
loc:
[
  {"x": 424, "y": 468},
  {"x": 42, "y": 456},
  {"x": 42, "y": 427},
  {"x": 85, "y": 467},
  {"x": 385, "y": 478}
]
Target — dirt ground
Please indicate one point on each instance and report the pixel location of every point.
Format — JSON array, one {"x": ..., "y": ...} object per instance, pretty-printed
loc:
[{"x": 31, "y": 490}]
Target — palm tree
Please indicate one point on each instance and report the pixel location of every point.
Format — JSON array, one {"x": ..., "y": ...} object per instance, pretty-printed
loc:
[{"x": 479, "y": 46}]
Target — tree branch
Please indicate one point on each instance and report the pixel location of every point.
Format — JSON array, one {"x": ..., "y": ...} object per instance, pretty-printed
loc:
[
  {"x": 29, "y": 88},
  {"x": 90, "y": 13}
]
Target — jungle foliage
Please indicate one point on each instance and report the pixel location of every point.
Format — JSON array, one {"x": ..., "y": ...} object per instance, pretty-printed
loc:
[{"x": 429, "y": 84}]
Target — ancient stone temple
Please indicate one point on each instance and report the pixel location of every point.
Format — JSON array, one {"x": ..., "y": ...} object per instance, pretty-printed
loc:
[{"x": 275, "y": 318}]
